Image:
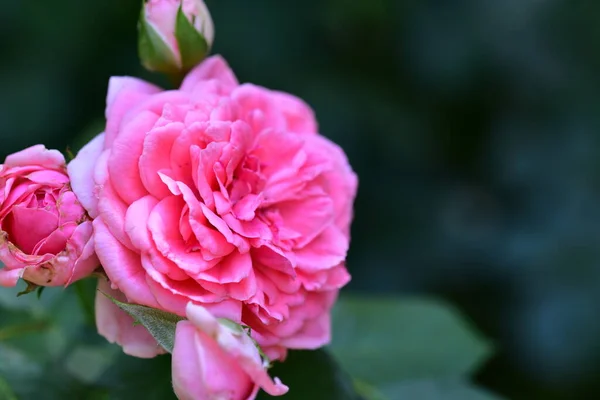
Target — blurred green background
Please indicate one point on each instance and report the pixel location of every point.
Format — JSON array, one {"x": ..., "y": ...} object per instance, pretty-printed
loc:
[{"x": 473, "y": 126}]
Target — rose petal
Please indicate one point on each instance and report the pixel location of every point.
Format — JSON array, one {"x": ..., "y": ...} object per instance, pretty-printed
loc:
[
  {"x": 28, "y": 226},
  {"x": 306, "y": 218},
  {"x": 36, "y": 155},
  {"x": 9, "y": 277},
  {"x": 112, "y": 210},
  {"x": 325, "y": 251},
  {"x": 163, "y": 224},
  {"x": 156, "y": 157},
  {"x": 213, "y": 68},
  {"x": 299, "y": 117},
  {"x": 49, "y": 178},
  {"x": 122, "y": 266},
  {"x": 136, "y": 222},
  {"x": 231, "y": 269},
  {"x": 88, "y": 260},
  {"x": 123, "y": 163},
  {"x": 81, "y": 173},
  {"x": 124, "y": 93}
]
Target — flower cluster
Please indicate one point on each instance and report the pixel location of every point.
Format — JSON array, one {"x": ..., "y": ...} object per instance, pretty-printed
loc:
[{"x": 216, "y": 201}]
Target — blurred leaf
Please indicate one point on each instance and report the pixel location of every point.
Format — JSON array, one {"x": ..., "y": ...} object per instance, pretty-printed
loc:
[
  {"x": 384, "y": 341},
  {"x": 19, "y": 370},
  {"x": 86, "y": 294},
  {"x": 436, "y": 390},
  {"x": 313, "y": 375},
  {"x": 18, "y": 330},
  {"x": 367, "y": 391},
  {"x": 88, "y": 363},
  {"x": 160, "y": 324},
  {"x": 26, "y": 330},
  {"x": 6, "y": 392},
  {"x": 135, "y": 378},
  {"x": 35, "y": 336},
  {"x": 32, "y": 380}
]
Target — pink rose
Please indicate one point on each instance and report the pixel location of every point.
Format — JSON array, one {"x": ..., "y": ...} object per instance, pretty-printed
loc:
[
  {"x": 214, "y": 361},
  {"x": 45, "y": 233},
  {"x": 220, "y": 193}
]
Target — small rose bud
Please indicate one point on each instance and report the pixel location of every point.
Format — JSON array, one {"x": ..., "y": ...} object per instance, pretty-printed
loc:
[
  {"x": 217, "y": 359},
  {"x": 174, "y": 35},
  {"x": 45, "y": 233}
]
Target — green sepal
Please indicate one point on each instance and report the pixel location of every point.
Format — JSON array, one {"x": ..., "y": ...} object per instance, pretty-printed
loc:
[
  {"x": 193, "y": 46},
  {"x": 31, "y": 287},
  {"x": 234, "y": 326},
  {"x": 246, "y": 330},
  {"x": 155, "y": 54}
]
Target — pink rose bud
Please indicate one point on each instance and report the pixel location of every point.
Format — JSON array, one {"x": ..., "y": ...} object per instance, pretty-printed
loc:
[
  {"x": 214, "y": 360},
  {"x": 45, "y": 233},
  {"x": 174, "y": 35}
]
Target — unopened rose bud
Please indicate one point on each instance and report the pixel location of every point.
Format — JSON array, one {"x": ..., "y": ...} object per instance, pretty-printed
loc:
[
  {"x": 215, "y": 359},
  {"x": 45, "y": 233},
  {"x": 174, "y": 35}
]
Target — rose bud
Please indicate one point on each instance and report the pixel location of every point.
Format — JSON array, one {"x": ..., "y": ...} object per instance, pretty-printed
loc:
[
  {"x": 216, "y": 360},
  {"x": 45, "y": 233},
  {"x": 174, "y": 35}
]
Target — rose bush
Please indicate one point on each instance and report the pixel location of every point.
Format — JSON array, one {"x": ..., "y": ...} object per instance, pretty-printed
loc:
[
  {"x": 221, "y": 194},
  {"x": 45, "y": 233},
  {"x": 212, "y": 360}
]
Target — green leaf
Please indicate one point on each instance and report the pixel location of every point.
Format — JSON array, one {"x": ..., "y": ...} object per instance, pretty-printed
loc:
[
  {"x": 313, "y": 375},
  {"x": 6, "y": 392},
  {"x": 87, "y": 363},
  {"x": 36, "y": 340},
  {"x": 160, "y": 324},
  {"x": 193, "y": 47},
  {"x": 437, "y": 390},
  {"x": 155, "y": 54},
  {"x": 384, "y": 341}
]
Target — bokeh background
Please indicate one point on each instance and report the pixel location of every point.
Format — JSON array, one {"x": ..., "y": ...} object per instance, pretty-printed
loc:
[{"x": 474, "y": 127}]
